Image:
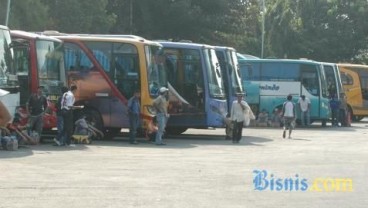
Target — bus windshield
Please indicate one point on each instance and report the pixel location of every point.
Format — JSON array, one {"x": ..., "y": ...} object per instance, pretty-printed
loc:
[
  {"x": 156, "y": 69},
  {"x": 8, "y": 76},
  {"x": 216, "y": 87},
  {"x": 235, "y": 74},
  {"x": 324, "y": 85},
  {"x": 50, "y": 65}
]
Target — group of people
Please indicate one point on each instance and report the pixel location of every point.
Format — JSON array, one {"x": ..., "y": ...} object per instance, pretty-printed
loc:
[
  {"x": 240, "y": 116},
  {"x": 241, "y": 113},
  {"x": 156, "y": 128}
]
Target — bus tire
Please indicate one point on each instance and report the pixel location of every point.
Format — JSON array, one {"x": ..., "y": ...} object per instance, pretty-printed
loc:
[
  {"x": 358, "y": 118},
  {"x": 175, "y": 130}
]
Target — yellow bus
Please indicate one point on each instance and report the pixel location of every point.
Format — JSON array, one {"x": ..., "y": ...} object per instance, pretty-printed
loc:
[
  {"x": 107, "y": 71},
  {"x": 354, "y": 78}
]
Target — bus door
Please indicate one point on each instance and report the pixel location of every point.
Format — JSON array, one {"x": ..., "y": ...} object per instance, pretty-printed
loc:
[
  {"x": 311, "y": 88},
  {"x": 363, "y": 78},
  {"x": 332, "y": 82},
  {"x": 125, "y": 75},
  {"x": 22, "y": 65},
  {"x": 186, "y": 87},
  {"x": 350, "y": 80},
  {"x": 225, "y": 66}
]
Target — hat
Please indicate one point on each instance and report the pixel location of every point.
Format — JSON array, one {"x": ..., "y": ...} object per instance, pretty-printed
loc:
[
  {"x": 240, "y": 94},
  {"x": 163, "y": 89}
]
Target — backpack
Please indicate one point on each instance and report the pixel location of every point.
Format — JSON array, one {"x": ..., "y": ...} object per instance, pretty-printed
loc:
[{"x": 9, "y": 143}]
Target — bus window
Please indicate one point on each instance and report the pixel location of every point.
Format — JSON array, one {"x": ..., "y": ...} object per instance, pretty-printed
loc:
[
  {"x": 309, "y": 79},
  {"x": 331, "y": 81},
  {"x": 125, "y": 70},
  {"x": 156, "y": 70},
  {"x": 280, "y": 72},
  {"x": 7, "y": 74},
  {"x": 235, "y": 74},
  {"x": 215, "y": 84},
  {"x": 363, "y": 77},
  {"x": 50, "y": 66},
  {"x": 75, "y": 58},
  {"x": 185, "y": 74},
  {"x": 346, "y": 79}
]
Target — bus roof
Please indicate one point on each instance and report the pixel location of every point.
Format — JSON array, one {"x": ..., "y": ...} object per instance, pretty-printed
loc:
[
  {"x": 106, "y": 38},
  {"x": 290, "y": 61},
  {"x": 30, "y": 35},
  {"x": 184, "y": 45},
  {"x": 352, "y": 65},
  {"x": 245, "y": 57},
  {"x": 225, "y": 48},
  {"x": 3, "y": 27},
  {"x": 113, "y": 36}
]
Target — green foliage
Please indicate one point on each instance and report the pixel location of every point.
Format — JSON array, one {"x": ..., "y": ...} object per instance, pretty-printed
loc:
[
  {"x": 82, "y": 16},
  {"x": 325, "y": 30}
]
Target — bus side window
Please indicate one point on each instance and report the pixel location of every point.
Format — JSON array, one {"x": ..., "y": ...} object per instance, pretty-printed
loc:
[{"x": 346, "y": 79}]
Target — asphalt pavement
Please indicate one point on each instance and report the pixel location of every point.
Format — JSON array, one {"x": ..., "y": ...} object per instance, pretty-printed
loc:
[{"x": 318, "y": 167}]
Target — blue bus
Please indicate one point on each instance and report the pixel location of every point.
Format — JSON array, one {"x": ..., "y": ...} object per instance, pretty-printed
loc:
[
  {"x": 196, "y": 91},
  {"x": 269, "y": 81},
  {"x": 230, "y": 70}
]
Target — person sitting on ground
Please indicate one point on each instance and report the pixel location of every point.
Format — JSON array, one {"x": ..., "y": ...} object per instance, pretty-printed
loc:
[
  {"x": 83, "y": 127},
  {"x": 152, "y": 129},
  {"x": 262, "y": 119},
  {"x": 276, "y": 118}
]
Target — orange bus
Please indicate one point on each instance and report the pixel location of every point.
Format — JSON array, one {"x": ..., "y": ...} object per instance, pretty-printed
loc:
[
  {"x": 107, "y": 71},
  {"x": 354, "y": 78}
]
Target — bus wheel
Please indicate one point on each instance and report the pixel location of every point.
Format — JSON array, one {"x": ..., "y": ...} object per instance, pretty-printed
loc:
[
  {"x": 176, "y": 130},
  {"x": 358, "y": 118}
]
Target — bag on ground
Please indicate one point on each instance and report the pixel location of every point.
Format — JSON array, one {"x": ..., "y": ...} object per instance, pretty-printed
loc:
[{"x": 9, "y": 143}]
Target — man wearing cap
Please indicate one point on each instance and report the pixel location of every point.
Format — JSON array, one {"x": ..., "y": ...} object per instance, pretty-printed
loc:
[
  {"x": 160, "y": 104},
  {"x": 238, "y": 109}
]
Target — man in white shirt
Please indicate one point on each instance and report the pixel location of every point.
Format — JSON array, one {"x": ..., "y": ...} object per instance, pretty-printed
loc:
[
  {"x": 304, "y": 105},
  {"x": 67, "y": 103},
  {"x": 289, "y": 115},
  {"x": 238, "y": 109}
]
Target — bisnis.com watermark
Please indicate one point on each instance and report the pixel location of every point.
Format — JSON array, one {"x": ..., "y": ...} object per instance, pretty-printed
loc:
[{"x": 264, "y": 181}]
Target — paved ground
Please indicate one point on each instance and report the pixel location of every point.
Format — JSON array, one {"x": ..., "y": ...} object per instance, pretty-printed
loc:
[{"x": 198, "y": 169}]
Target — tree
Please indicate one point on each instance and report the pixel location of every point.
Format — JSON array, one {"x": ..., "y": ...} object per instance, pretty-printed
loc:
[
  {"x": 82, "y": 16},
  {"x": 30, "y": 15}
]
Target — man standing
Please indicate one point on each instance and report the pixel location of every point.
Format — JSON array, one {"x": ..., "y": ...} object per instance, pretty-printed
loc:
[
  {"x": 59, "y": 119},
  {"x": 160, "y": 104},
  {"x": 134, "y": 114},
  {"x": 67, "y": 103},
  {"x": 238, "y": 110},
  {"x": 36, "y": 106},
  {"x": 304, "y": 104},
  {"x": 289, "y": 114}
]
